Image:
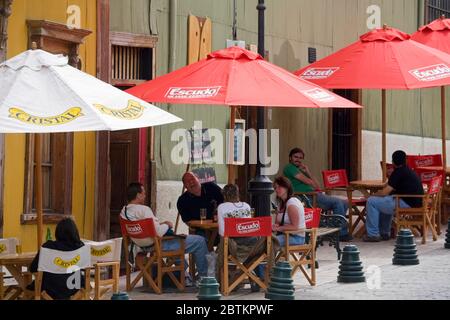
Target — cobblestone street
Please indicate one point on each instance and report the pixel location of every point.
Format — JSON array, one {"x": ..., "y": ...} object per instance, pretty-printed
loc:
[{"x": 428, "y": 280}]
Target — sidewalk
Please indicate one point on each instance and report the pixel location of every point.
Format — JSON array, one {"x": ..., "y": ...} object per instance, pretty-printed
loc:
[{"x": 428, "y": 280}]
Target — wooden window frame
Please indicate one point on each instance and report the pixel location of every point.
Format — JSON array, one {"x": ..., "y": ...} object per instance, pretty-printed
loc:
[
  {"x": 29, "y": 215},
  {"x": 55, "y": 38},
  {"x": 126, "y": 39}
]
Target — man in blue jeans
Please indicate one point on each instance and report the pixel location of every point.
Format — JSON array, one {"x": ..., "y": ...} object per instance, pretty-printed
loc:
[
  {"x": 381, "y": 206},
  {"x": 303, "y": 181},
  {"x": 137, "y": 210}
]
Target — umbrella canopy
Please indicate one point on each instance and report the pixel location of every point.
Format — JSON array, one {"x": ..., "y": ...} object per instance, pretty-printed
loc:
[
  {"x": 235, "y": 76},
  {"x": 437, "y": 35},
  {"x": 41, "y": 93},
  {"x": 381, "y": 59},
  {"x": 384, "y": 58}
]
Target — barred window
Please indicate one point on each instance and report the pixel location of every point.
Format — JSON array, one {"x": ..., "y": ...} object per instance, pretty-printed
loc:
[{"x": 434, "y": 9}]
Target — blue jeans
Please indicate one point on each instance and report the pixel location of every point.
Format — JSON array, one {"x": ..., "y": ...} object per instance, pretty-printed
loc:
[
  {"x": 197, "y": 246},
  {"x": 294, "y": 239},
  {"x": 380, "y": 211},
  {"x": 337, "y": 205}
]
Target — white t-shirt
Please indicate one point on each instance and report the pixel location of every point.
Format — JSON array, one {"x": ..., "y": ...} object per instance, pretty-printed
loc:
[
  {"x": 294, "y": 201},
  {"x": 231, "y": 210},
  {"x": 141, "y": 212}
]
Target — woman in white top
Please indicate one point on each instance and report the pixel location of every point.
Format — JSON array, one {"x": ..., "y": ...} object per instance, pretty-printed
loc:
[
  {"x": 290, "y": 214},
  {"x": 231, "y": 207}
]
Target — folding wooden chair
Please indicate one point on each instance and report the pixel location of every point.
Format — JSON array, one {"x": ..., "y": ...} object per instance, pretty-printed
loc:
[
  {"x": 426, "y": 175},
  {"x": 389, "y": 168},
  {"x": 426, "y": 160},
  {"x": 165, "y": 262},
  {"x": 105, "y": 259},
  {"x": 336, "y": 180},
  {"x": 301, "y": 255},
  {"x": 423, "y": 217},
  {"x": 246, "y": 227},
  {"x": 7, "y": 246},
  {"x": 64, "y": 262}
]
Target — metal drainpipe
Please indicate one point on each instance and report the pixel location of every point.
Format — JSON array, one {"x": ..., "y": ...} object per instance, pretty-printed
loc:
[
  {"x": 172, "y": 34},
  {"x": 420, "y": 13}
]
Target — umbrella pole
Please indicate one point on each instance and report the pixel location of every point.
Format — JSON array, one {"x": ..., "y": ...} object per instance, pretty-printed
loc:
[
  {"x": 383, "y": 132},
  {"x": 38, "y": 186},
  {"x": 444, "y": 147},
  {"x": 231, "y": 145}
]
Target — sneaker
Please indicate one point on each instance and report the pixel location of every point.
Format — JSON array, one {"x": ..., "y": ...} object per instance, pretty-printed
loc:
[
  {"x": 367, "y": 238},
  {"x": 345, "y": 238},
  {"x": 385, "y": 237},
  {"x": 254, "y": 287}
]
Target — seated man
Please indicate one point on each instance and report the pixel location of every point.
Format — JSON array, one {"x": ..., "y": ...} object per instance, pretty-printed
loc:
[
  {"x": 303, "y": 181},
  {"x": 136, "y": 210},
  {"x": 197, "y": 196},
  {"x": 381, "y": 206}
]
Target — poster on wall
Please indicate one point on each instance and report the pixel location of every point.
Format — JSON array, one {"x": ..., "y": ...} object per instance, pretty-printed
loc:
[
  {"x": 199, "y": 143},
  {"x": 205, "y": 174},
  {"x": 236, "y": 149}
]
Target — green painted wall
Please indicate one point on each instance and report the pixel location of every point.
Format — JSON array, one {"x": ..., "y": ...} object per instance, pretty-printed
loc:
[{"x": 291, "y": 27}]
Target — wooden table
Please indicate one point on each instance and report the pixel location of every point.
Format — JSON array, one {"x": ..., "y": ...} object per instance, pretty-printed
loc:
[
  {"x": 14, "y": 263},
  {"x": 211, "y": 230},
  {"x": 367, "y": 188}
]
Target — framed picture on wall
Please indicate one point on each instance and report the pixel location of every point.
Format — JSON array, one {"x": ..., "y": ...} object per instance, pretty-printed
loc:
[{"x": 236, "y": 148}]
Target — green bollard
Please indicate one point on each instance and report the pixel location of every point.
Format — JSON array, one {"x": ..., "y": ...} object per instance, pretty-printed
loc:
[
  {"x": 120, "y": 296},
  {"x": 447, "y": 236},
  {"x": 405, "y": 251},
  {"x": 281, "y": 285},
  {"x": 208, "y": 289},
  {"x": 350, "y": 268}
]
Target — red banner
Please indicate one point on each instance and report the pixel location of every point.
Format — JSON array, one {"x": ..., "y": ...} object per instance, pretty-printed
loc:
[
  {"x": 312, "y": 217},
  {"x": 248, "y": 227}
]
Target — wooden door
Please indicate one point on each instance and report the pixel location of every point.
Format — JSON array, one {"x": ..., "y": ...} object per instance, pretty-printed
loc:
[
  {"x": 345, "y": 136},
  {"x": 124, "y": 159}
]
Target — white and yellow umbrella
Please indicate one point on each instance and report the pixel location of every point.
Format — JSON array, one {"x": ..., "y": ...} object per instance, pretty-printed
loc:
[{"x": 41, "y": 93}]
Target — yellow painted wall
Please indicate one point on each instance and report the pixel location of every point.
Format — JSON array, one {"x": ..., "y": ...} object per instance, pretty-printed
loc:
[{"x": 84, "y": 143}]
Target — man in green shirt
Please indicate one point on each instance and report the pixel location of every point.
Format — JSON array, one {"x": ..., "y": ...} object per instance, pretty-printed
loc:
[{"x": 303, "y": 181}]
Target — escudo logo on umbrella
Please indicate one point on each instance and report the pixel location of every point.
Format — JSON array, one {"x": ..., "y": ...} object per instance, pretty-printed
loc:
[
  {"x": 318, "y": 73},
  {"x": 319, "y": 95},
  {"x": 192, "y": 92},
  {"x": 431, "y": 73},
  {"x": 65, "y": 117}
]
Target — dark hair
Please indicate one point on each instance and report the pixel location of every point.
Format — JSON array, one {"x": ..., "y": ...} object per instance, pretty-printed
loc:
[
  {"x": 399, "y": 158},
  {"x": 231, "y": 193},
  {"x": 296, "y": 150},
  {"x": 285, "y": 183},
  {"x": 67, "y": 231},
  {"x": 133, "y": 189}
]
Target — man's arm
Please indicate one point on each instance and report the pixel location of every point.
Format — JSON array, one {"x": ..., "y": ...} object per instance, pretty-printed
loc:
[
  {"x": 309, "y": 181},
  {"x": 384, "y": 192},
  {"x": 183, "y": 211}
]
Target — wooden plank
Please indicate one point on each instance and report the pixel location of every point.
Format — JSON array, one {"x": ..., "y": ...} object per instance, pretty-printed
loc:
[{"x": 193, "y": 39}]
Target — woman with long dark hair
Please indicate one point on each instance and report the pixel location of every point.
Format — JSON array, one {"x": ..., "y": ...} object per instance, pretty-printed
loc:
[
  {"x": 67, "y": 239},
  {"x": 290, "y": 213}
]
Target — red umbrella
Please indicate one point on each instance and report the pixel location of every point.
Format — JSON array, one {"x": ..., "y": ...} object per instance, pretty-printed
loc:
[
  {"x": 382, "y": 59},
  {"x": 437, "y": 35},
  {"x": 237, "y": 77}
]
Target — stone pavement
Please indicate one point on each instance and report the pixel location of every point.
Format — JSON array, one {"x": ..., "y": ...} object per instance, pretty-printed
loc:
[{"x": 428, "y": 280}]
